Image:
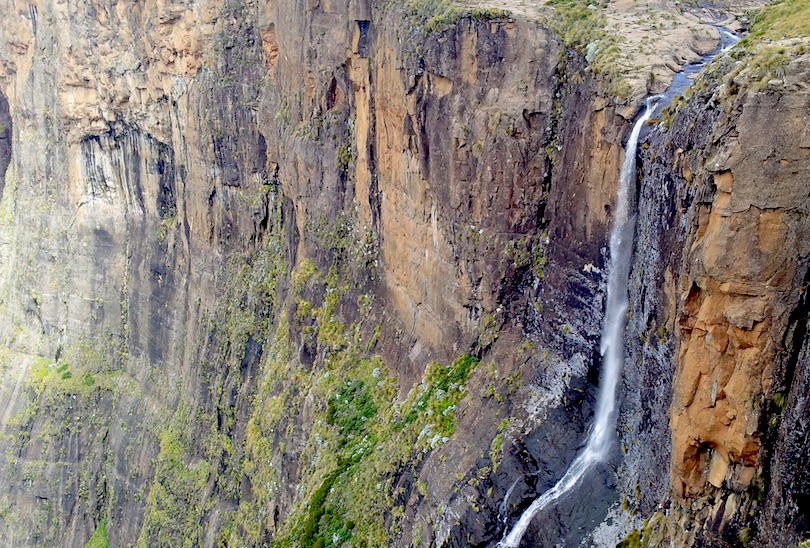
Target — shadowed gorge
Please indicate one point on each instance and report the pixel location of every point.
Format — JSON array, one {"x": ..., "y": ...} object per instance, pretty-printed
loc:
[{"x": 335, "y": 273}]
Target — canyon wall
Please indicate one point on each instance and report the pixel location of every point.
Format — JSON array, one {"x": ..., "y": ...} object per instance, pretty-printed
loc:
[
  {"x": 719, "y": 316},
  {"x": 332, "y": 272},
  {"x": 212, "y": 208}
]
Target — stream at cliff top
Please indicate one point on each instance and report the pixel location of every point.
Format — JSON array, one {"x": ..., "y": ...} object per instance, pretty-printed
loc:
[
  {"x": 683, "y": 79},
  {"x": 602, "y": 431}
]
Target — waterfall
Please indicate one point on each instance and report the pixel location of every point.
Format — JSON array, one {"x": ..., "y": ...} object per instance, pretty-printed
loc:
[
  {"x": 603, "y": 429},
  {"x": 727, "y": 39}
]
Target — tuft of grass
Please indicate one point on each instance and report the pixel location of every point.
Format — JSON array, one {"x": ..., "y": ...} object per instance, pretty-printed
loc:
[
  {"x": 744, "y": 535},
  {"x": 652, "y": 532},
  {"x": 436, "y": 399},
  {"x": 633, "y": 540}
]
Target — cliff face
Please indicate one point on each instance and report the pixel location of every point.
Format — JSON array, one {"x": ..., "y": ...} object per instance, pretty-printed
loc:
[
  {"x": 170, "y": 167},
  {"x": 331, "y": 272},
  {"x": 721, "y": 209}
]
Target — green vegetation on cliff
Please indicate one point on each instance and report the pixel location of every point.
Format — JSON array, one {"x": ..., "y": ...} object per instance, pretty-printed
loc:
[
  {"x": 436, "y": 15},
  {"x": 653, "y": 532},
  {"x": 778, "y": 32},
  {"x": 358, "y": 440},
  {"x": 60, "y": 409},
  {"x": 361, "y": 446},
  {"x": 202, "y": 451},
  {"x": 83, "y": 370},
  {"x": 176, "y": 499},
  {"x": 99, "y": 538}
]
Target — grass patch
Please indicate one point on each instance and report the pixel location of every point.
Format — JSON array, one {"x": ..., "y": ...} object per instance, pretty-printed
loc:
[
  {"x": 583, "y": 28},
  {"x": 99, "y": 538},
  {"x": 82, "y": 371},
  {"x": 318, "y": 532},
  {"x": 780, "y": 20},
  {"x": 437, "y": 15},
  {"x": 778, "y": 32},
  {"x": 350, "y": 409},
  {"x": 434, "y": 402}
]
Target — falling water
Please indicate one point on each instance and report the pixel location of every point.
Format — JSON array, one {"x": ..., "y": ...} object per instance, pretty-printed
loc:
[
  {"x": 602, "y": 432},
  {"x": 727, "y": 39},
  {"x": 603, "y": 429}
]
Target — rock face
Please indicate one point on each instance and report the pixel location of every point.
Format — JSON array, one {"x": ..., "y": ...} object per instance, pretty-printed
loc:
[
  {"x": 720, "y": 206},
  {"x": 186, "y": 182},
  {"x": 331, "y": 272}
]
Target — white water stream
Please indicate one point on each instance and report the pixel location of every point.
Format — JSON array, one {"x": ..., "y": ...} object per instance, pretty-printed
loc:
[{"x": 603, "y": 429}]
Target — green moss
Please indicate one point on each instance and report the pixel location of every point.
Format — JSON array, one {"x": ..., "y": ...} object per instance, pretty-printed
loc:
[
  {"x": 202, "y": 456},
  {"x": 744, "y": 535},
  {"x": 495, "y": 451},
  {"x": 496, "y": 447},
  {"x": 99, "y": 538},
  {"x": 323, "y": 526},
  {"x": 60, "y": 405},
  {"x": 355, "y": 442}
]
